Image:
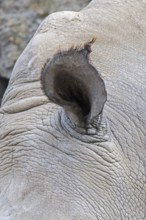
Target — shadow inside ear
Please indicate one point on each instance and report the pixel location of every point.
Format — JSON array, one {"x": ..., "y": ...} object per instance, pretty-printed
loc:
[
  {"x": 3, "y": 87},
  {"x": 71, "y": 81},
  {"x": 69, "y": 90}
]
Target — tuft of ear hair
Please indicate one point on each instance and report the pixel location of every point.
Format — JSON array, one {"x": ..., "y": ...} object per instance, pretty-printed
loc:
[
  {"x": 69, "y": 80},
  {"x": 86, "y": 48}
]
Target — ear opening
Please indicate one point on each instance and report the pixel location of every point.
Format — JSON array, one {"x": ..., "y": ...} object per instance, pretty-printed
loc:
[{"x": 69, "y": 90}]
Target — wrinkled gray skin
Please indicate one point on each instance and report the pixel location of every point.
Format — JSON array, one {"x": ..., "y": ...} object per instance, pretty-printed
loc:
[{"x": 52, "y": 170}]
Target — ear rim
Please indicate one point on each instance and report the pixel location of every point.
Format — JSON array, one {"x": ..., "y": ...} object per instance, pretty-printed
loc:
[{"x": 49, "y": 91}]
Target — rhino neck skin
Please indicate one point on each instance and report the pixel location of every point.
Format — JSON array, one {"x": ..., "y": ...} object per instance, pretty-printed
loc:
[
  {"x": 55, "y": 174},
  {"x": 46, "y": 171}
]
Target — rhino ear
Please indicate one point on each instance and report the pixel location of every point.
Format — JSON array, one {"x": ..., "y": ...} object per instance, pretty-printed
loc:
[{"x": 72, "y": 82}]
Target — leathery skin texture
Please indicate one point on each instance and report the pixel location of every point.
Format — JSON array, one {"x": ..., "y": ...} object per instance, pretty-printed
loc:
[{"x": 61, "y": 156}]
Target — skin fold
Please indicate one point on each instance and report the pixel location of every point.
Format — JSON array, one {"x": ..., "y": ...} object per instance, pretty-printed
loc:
[{"x": 61, "y": 156}]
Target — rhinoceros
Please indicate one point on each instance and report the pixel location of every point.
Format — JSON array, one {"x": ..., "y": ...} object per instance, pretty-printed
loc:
[{"x": 73, "y": 118}]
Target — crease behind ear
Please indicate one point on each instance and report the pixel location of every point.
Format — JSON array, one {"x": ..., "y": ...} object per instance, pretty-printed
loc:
[
  {"x": 72, "y": 82},
  {"x": 3, "y": 87}
]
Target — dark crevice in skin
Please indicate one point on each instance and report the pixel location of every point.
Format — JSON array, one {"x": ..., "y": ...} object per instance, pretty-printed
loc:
[{"x": 3, "y": 86}]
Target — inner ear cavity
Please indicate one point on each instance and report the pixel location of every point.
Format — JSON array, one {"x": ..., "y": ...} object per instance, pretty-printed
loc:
[{"x": 71, "y": 90}]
